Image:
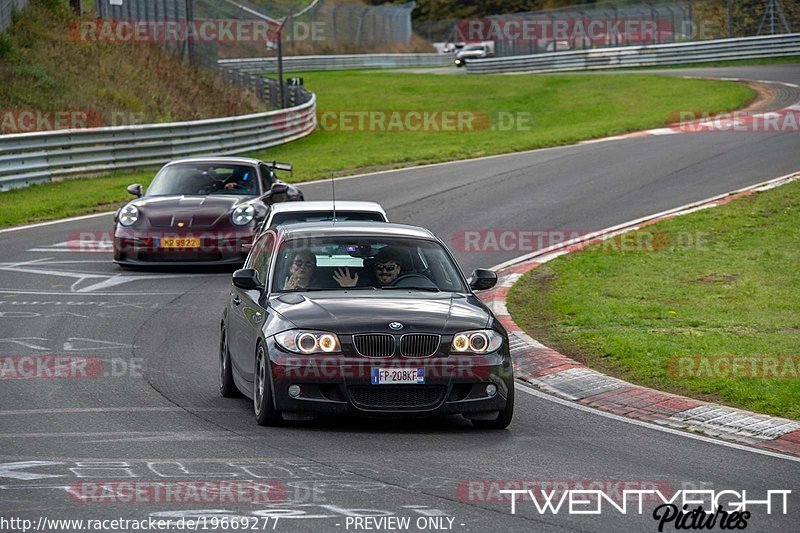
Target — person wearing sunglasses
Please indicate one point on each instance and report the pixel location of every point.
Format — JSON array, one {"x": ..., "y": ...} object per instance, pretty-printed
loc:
[
  {"x": 301, "y": 271},
  {"x": 386, "y": 268}
]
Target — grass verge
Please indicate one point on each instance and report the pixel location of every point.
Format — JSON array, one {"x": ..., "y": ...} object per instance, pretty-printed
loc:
[
  {"x": 722, "y": 282},
  {"x": 537, "y": 111}
]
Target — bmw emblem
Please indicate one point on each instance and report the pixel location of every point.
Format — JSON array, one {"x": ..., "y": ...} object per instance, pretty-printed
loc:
[{"x": 396, "y": 326}]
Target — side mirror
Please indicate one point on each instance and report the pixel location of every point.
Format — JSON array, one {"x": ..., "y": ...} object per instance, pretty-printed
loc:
[
  {"x": 482, "y": 280},
  {"x": 135, "y": 190},
  {"x": 247, "y": 279},
  {"x": 279, "y": 188}
]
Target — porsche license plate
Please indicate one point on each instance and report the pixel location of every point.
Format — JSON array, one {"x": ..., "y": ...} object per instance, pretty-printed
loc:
[
  {"x": 398, "y": 376},
  {"x": 172, "y": 242}
]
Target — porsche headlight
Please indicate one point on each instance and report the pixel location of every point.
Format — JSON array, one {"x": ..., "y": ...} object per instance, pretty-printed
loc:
[
  {"x": 308, "y": 342},
  {"x": 476, "y": 342},
  {"x": 243, "y": 215},
  {"x": 128, "y": 215}
]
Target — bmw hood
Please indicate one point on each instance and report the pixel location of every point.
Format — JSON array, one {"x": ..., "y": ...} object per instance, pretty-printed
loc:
[
  {"x": 348, "y": 313},
  {"x": 193, "y": 211}
]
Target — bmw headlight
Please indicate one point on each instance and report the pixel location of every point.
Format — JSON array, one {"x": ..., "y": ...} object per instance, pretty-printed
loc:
[
  {"x": 308, "y": 342},
  {"x": 243, "y": 215},
  {"x": 128, "y": 215},
  {"x": 476, "y": 342}
]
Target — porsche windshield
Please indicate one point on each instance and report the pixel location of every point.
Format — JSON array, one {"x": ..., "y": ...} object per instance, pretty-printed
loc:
[
  {"x": 366, "y": 263},
  {"x": 205, "y": 178}
]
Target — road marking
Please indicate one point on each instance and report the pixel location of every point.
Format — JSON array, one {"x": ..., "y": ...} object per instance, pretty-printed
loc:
[
  {"x": 105, "y": 281},
  {"x": 682, "y": 433}
]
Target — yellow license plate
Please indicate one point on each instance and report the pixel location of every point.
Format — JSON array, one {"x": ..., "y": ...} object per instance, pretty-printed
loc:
[{"x": 171, "y": 242}]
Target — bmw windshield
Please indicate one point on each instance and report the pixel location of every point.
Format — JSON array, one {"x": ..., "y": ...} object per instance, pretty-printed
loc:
[
  {"x": 204, "y": 179},
  {"x": 343, "y": 263}
]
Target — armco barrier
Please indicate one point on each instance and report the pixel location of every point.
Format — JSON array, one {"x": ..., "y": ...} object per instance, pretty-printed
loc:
[
  {"x": 337, "y": 62},
  {"x": 640, "y": 56},
  {"x": 28, "y": 158}
]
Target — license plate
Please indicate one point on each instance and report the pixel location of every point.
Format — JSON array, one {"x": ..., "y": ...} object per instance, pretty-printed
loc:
[
  {"x": 395, "y": 376},
  {"x": 172, "y": 242}
]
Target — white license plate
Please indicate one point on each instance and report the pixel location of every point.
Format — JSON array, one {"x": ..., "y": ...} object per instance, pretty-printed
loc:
[{"x": 395, "y": 376}]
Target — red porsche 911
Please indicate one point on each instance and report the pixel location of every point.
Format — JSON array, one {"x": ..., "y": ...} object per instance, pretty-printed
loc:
[{"x": 199, "y": 211}]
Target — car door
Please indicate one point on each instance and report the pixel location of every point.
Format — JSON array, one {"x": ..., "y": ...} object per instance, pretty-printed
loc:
[
  {"x": 252, "y": 313},
  {"x": 237, "y": 324}
]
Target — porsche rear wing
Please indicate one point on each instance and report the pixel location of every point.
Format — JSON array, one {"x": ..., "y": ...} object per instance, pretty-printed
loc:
[{"x": 286, "y": 167}]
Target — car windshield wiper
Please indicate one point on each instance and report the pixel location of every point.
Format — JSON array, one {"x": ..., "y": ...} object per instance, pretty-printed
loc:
[
  {"x": 317, "y": 289},
  {"x": 427, "y": 289}
]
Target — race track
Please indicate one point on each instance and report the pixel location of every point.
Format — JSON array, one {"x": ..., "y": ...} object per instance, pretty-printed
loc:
[{"x": 153, "y": 414}]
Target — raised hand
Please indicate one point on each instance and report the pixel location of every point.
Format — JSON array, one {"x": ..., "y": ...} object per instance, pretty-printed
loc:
[{"x": 343, "y": 278}]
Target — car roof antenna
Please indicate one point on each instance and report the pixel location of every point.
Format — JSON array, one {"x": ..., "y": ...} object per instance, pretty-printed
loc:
[{"x": 333, "y": 190}]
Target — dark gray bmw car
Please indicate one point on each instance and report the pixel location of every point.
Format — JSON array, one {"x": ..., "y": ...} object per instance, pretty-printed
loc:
[{"x": 362, "y": 319}]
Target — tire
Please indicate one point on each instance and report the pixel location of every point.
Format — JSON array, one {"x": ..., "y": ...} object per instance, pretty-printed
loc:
[
  {"x": 227, "y": 387},
  {"x": 263, "y": 405},
  {"x": 503, "y": 417}
]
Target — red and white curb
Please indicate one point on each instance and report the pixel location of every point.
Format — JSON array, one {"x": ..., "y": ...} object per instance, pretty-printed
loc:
[{"x": 557, "y": 374}]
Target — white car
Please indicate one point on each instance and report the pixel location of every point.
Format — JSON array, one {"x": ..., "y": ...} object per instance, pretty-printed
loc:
[
  {"x": 472, "y": 51},
  {"x": 322, "y": 211}
]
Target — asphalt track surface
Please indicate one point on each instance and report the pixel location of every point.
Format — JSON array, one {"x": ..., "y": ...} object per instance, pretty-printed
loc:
[{"x": 153, "y": 414}]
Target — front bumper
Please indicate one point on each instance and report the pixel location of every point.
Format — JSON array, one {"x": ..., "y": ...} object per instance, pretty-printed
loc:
[
  {"x": 143, "y": 248},
  {"x": 339, "y": 385}
]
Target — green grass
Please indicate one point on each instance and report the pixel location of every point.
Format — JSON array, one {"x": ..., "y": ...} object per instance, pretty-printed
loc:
[
  {"x": 67, "y": 198},
  {"x": 561, "y": 109},
  {"x": 630, "y": 312}
]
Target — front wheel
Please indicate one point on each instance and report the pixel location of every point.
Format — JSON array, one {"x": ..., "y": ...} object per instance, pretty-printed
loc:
[
  {"x": 264, "y": 406},
  {"x": 503, "y": 417}
]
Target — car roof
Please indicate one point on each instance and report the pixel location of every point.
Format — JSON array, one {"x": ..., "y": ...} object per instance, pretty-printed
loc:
[
  {"x": 355, "y": 229},
  {"x": 326, "y": 205},
  {"x": 216, "y": 159}
]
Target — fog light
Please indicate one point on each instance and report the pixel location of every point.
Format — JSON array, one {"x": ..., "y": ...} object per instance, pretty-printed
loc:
[
  {"x": 491, "y": 390},
  {"x": 294, "y": 391}
]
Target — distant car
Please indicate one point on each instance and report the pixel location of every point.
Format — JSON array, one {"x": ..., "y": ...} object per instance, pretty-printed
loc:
[
  {"x": 472, "y": 51},
  {"x": 322, "y": 211},
  {"x": 366, "y": 319},
  {"x": 199, "y": 211},
  {"x": 558, "y": 46}
]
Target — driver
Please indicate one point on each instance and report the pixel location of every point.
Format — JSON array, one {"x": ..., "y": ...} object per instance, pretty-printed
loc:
[{"x": 387, "y": 267}]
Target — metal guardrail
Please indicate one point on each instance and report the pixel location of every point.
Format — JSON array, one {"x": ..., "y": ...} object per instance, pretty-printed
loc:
[
  {"x": 336, "y": 62},
  {"x": 29, "y": 158},
  {"x": 641, "y": 56}
]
